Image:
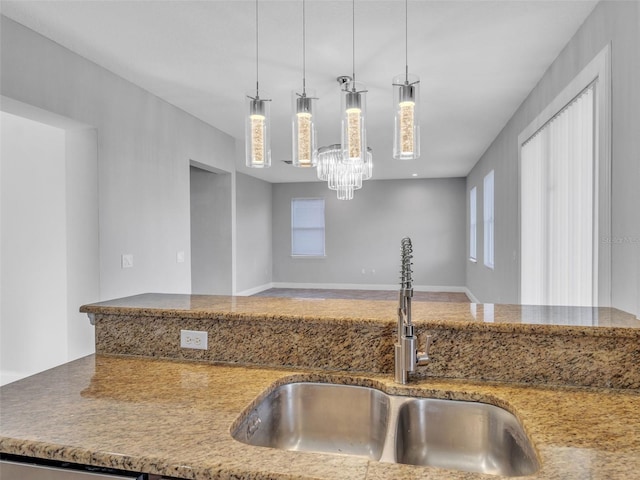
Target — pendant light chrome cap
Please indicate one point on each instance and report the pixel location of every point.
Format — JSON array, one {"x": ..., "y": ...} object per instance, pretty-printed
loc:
[
  {"x": 256, "y": 106},
  {"x": 407, "y": 93},
  {"x": 304, "y": 104},
  {"x": 353, "y": 100}
]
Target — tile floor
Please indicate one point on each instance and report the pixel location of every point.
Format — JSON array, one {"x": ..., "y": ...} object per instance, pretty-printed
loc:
[{"x": 362, "y": 294}]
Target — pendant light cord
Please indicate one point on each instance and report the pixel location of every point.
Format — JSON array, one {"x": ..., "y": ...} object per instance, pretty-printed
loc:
[
  {"x": 353, "y": 41},
  {"x": 257, "y": 71},
  {"x": 304, "y": 52},
  {"x": 406, "y": 41}
]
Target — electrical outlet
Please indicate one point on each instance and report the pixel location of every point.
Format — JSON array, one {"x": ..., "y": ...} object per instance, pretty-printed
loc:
[
  {"x": 193, "y": 339},
  {"x": 127, "y": 260},
  {"x": 180, "y": 257}
]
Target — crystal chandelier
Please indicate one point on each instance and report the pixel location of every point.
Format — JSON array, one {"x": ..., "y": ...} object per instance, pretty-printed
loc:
[{"x": 343, "y": 177}]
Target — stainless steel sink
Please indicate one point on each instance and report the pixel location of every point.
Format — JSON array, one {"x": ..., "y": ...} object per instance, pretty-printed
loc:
[
  {"x": 319, "y": 417},
  {"x": 343, "y": 419},
  {"x": 469, "y": 436}
]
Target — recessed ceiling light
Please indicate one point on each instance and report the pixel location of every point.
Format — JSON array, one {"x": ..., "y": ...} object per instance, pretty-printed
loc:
[{"x": 414, "y": 174}]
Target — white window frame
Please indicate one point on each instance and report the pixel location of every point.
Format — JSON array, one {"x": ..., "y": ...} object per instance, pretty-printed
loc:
[
  {"x": 488, "y": 208},
  {"x": 320, "y": 228},
  {"x": 473, "y": 225},
  {"x": 598, "y": 70}
]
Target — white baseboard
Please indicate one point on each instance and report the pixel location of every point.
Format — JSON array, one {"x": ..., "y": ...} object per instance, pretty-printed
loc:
[
  {"x": 471, "y": 296},
  {"x": 7, "y": 376},
  {"x": 356, "y": 286},
  {"x": 334, "y": 286},
  {"x": 369, "y": 286},
  {"x": 254, "y": 290}
]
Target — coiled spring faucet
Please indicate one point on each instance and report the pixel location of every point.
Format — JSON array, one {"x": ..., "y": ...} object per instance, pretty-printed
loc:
[{"x": 407, "y": 357}]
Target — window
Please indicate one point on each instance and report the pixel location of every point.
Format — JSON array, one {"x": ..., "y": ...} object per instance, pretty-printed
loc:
[
  {"x": 488, "y": 220},
  {"x": 565, "y": 195},
  {"x": 473, "y": 228},
  {"x": 307, "y": 227}
]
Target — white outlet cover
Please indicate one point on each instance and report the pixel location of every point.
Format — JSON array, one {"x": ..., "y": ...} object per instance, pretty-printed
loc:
[
  {"x": 193, "y": 339},
  {"x": 180, "y": 257},
  {"x": 127, "y": 260}
]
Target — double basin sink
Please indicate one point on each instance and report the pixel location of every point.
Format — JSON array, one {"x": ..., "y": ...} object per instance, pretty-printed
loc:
[{"x": 353, "y": 420}]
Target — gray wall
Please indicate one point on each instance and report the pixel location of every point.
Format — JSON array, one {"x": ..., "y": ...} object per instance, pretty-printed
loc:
[
  {"x": 365, "y": 233},
  {"x": 83, "y": 248},
  {"x": 211, "y": 239},
  {"x": 144, "y": 149},
  {"x": 253, "y": 233},
  {"x": 49, "y": 244},
  {"x": 618, "y": 23}
]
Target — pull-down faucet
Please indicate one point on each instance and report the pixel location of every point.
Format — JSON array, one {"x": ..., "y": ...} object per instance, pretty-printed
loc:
[{"x": 406, "y": 353}]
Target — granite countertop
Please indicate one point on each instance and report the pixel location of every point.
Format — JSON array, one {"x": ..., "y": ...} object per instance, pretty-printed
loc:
[
  {"x": 174, "y": 418},
  {"x": 586, "y": 321}
]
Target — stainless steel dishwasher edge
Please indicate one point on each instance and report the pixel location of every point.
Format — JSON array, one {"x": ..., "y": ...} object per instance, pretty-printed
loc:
[{"x": 10, "y": 470}]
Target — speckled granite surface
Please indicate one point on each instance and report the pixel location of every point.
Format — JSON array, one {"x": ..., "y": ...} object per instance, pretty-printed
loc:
[
  {"x": 597, "y": 347},
  {"x": 574, "y": 320},
  {"x": 174, "y": 418}
]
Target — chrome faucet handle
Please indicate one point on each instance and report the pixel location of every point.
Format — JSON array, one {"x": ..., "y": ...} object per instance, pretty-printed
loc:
[
  {"x": 423, "y": 357},
  {"x": 427, "y": 344}
]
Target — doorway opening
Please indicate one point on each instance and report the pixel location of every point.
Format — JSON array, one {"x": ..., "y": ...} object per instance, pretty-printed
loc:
[
  {"x": 49, "y": 249},
  {"x": 211, "y": 230}
]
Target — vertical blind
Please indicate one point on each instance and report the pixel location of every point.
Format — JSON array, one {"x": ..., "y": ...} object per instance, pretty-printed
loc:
[
  {"x": 473, "y": 223},
  {"x": 307, "y": 226},
  {"x": 557, "y": 208}
]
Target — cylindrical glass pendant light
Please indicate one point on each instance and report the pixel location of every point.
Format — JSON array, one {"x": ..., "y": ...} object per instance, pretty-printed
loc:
[
  {"x": 305, "y": 147},
  {"x": 406, "y": 132},
  {"x": 258, "y": 133},
  {"x": 354, "y": 108},
  {"x": 406, "y": 99},
  {"x": 258, "y": 123},
  {"x": 354, "y": 132}
]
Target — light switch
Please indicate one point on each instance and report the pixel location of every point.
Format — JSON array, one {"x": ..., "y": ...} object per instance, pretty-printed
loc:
[
  {"x": 180, "y": 257},
  {"x": 127, "y": 260}
]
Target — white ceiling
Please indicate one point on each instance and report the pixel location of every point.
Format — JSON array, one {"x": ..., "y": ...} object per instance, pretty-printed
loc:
[{"x": 477, "y": 61}]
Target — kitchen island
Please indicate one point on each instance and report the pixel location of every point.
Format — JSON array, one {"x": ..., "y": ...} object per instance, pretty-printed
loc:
[{"x": 174, "y": 416}]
